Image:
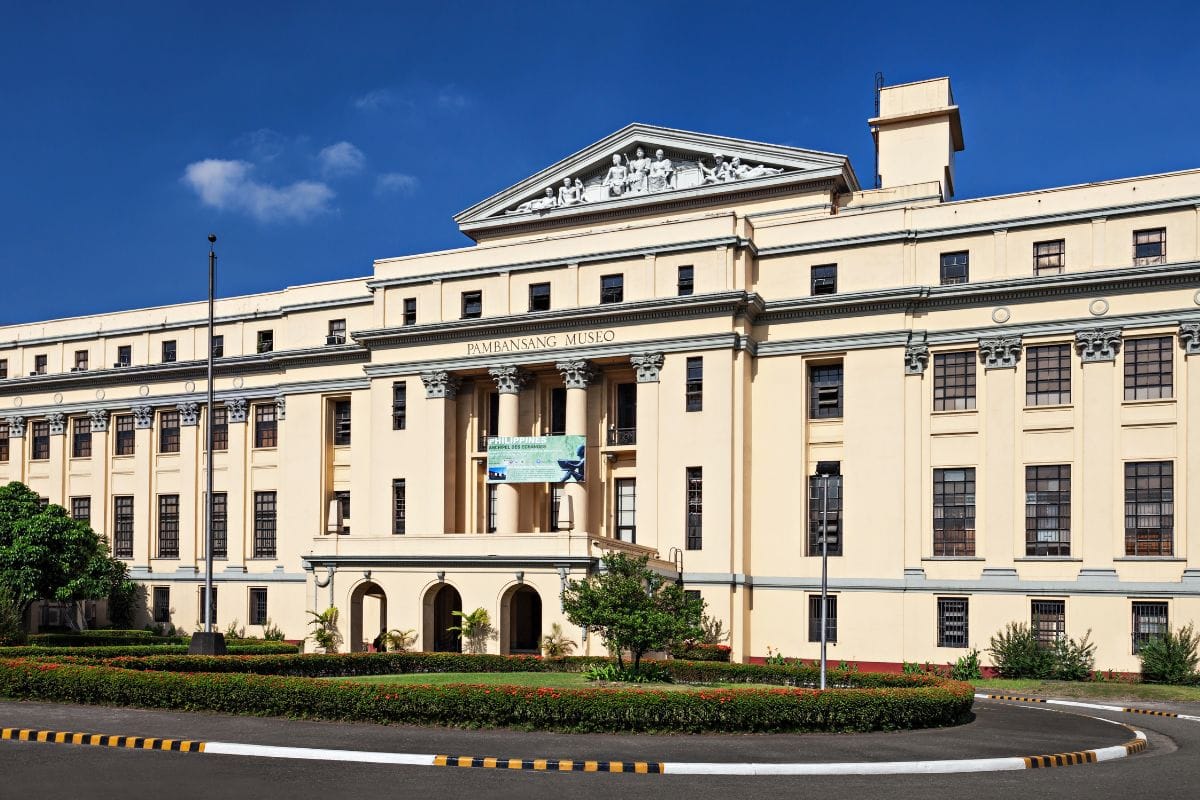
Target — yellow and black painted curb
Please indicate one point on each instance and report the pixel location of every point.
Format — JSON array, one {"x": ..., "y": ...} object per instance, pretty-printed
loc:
[
  {"x": 101, "y": 740},
  {"x": 1016, "y": 698},
  {"x": 1020, "y": 699},
  {"x": 1150, "y": 712},
  {"x": 550, "y": 764},
  {"x": 1079, "y": 756}
]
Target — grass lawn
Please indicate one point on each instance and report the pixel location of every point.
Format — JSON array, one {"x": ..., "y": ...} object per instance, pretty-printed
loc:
[
  {"x": 557, "y": 680},
  {"x": 1089, "y": 690}
]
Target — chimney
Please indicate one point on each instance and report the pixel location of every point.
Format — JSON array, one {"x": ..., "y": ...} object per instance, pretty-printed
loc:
[{"x": 917, "y": 133}]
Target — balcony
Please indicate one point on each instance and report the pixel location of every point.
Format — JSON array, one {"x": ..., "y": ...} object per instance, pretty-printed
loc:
[{"x": 621, "y": 436}]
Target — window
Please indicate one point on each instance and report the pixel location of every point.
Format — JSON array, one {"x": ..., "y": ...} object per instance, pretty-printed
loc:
[
  {"x": 1150, "y": 247},
  {"x": 218, "y": 346},
  {"x": 833, "y": 515},
  {"x": 124, "y": 355},
  {"x": 472, "y": 305},
  {"x": 1048, "y": 510},
  {"x": 952, "y": 622},
  {"x": 168, "y": 432},
  {"x": 258, "y": 606},
  {"x": 168, "y": 526},
  {"x": 40, "y": 432},
  {"x": 3, "y": 368},
  {"x": 695, "y": 508},
  {"x": 337, "y": 332},
  {"x": 1149, "y": 508},
  {"x": 81, "y": 437},
  {"x": 954, "y": 381},
  {"x": 824, "y": 279},
  {"x": 399, "y": 506},
  {"x": 212, "y": 606},
  {"x": 954, "y": 512},
  {"x": 1048, "y": 621},
  {"x": 558, "y": 411},
  {"x": 1048, "y": 375},
  {"x": 612, "y": 288},
  {"x": 124, "y": 440},
  {"x": 162, "y": 604},
  {"x": 1149, "y": 622},
  {"x": 1049, "y": 258},
  {"x": 694, "y": 389},
  {"x": 168, "y": 351},
  {"x": 220, "y": 525},
  {"x": 539, "y": 297},
  {"x": 556, "y": 495},
  {"x": 626, "y": 509},
  {"x": 341, "y": 423},
  {"x": 491, "y": 508},
  {"x": 4, "y": 442},
  {"x": 81, "y": 361},
  {"x": 814, "y": 618},
  {"x": 220, "y": 428},
  {"x": 342, "y": 498},
  {"x": 1148, "y": 368},
  {"x": 81, "y": 509},
  {"x": 685, "y": 284},
  {"x": 39, "y": 365},
  {"x": 399, "y": 405},
  {"x": 266, "y": 429},
  {"x": 825, "y": 391},
  {"x": 954, "y": 268},
  {"x": 123, "y": 526},
  {"x": 410, "y": 311},
  {"x": 625, "y": 431},
  {"x": 264, "y": 524},
  {"x": 266, "y": 341}
]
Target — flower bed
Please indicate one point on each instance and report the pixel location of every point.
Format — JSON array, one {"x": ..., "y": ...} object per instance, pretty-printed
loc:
[{"x": 149, "y": 650}]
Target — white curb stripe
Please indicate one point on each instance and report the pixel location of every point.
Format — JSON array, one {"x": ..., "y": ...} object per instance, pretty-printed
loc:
[
  {"x": 317, "y": 754},
  {"x": 851, "y": 768},
  {"x": 1077, "y": 704}
]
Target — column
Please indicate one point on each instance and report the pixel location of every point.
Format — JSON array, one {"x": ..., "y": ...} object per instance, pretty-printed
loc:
[
  {"x": 56, "y": 490},
  {"x": 191, "y": 518},
  {"x": 509, "y": 380},
  {"x": 441, "y": 392},
  {"x": 101, "y": 466},
  {"x": 1003, "y": 537},
  {"x": 16, "y": 447},
  {"x": 1100, "y": 536},
  {"x": 576, "y": 375},
  {"x": 648, "y": 366},
  {"x": 143, "y": 498},
  {"x": 239, "y": 527}
]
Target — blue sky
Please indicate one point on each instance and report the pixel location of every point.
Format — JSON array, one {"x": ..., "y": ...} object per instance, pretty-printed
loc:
[{"x": 315, "y": 137}]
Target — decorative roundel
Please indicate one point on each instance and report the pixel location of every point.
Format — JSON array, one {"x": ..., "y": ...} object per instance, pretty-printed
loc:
[
  {"x": 1001, "y": 315},
  {"x": 18, "y": 401},
  {"x": 1196, "y": 298},
  {"x": 238, "y": 383},
  {"x": 58, "y": 398},
  {"x": 143, "y": 390},
  {"x": 99, "y": 394},
  {"x": 190, "y": 386},
  {"x": 1098, "y": 308}
]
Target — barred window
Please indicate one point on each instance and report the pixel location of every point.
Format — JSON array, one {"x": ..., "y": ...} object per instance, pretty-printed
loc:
[
  {"x": 81, "y": 437},
  {"x": 694, "y": 388},
  {"x": 954, "y": 381},
  {"x": 168, "y": 526},
  {"x": 1049, "y": 258},
  {"x": 81, "y": 509},
  {"x": 40, "y": 432},
  {"x": 399, "y": 405},
  {"x": 220, "y": 525},
  {"x": 1149, "y": 622},
  {"x": 399, "y": 507},
  {"x": 266, "y": 428},
  {"x": 825, "y": 391},
  {"x": 410, "y": 311},
  {"x": 258, "y": 606},
  {"x": 168, "y": 432},
  {"x": 539, "y": 297},
  {"x": 212, "y": 605},
  {"x": 124, "y": 440},
  {"x": 824, "y": 279},
  {"x": 955, "y": 268},
  {"x": 1048, "y": 375},
  {"x": 1048, "y": 621},
  {"x": 341, "y": 423},
  {"x": 220, "y": 428},
  {"x": 695, "y": 508},
  {"x": 612, "y": 288},
  {"x": 814, "y": 618},
  {"x": 1150, "y": 247},
  {"x": 472, "y": 305},
  {"x": 123, "y": 526},
  {"x": 954, "y": 512},
  {"x": 162, "y": 604},
  {"x": 264, "y": 524},
  {"x": 626, "y": 509},
  {"x": 1148, "y": 368},
  {"x": 1149, "y": 508},
  {"x": 5, "y": 442},
  {"x": 686, "y": 282},
  {"x": 833, "y": 515},
  {"x": 953, "y": 628},
  {"x": 1048, "y": 510}
]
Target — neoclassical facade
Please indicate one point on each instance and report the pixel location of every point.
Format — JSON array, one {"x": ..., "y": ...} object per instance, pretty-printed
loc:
[{"x": 999, "y": 388}]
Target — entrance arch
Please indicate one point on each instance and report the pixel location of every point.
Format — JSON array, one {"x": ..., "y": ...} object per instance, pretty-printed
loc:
[
  {"x": 521, "y": 621},
  {"x": 368, "y": 615},
  {"x": 437, "y": 615}
]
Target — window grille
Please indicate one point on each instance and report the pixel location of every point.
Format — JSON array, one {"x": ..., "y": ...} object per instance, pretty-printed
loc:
[
  {"x": 1048, "y": 510},
  {"x": 1049, "y": 258},
  {"x": 695, "y": 508},
  {"x": 954, "y": 381},
  {"x": 1048, "y": 375},
  {"x": 954, "y": 512},
  {"x": 1148, "y": 368},
  {"x": 825, "y": 390},
  {"x": 953, "y": 628},
  {"x": 1149, "y": 508}
]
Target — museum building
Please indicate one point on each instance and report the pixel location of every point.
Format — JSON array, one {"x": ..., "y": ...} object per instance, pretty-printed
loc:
[{"x": 998, "y": 389}]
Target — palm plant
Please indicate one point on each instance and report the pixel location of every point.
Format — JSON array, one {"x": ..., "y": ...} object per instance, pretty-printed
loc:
[
  {"x": 325, "y": 629},
  {"x": 474, "y": 627},
  {"x": 556, "y": 644}
]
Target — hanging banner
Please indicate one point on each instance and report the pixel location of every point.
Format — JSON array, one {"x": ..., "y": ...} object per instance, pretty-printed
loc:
[{"x": 536, "y": 459}]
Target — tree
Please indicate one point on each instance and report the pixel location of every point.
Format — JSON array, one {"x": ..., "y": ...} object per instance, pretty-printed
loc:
[
  {"x": 47, "y": 555},
  {"x": 475, "y": 627},
  {"x": 633, "y": 607}
]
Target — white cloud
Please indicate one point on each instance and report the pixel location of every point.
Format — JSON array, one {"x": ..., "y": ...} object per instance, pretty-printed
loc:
[
  {"x": 396, "y": 182},
  {"x": 452, "y": 99},
  {"x": 341, "y": 159},
  {"x": 375, "y": 100},
  {"x": 227, "y": 186}
]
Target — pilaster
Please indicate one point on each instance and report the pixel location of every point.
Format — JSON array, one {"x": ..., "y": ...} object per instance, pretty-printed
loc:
[
  {"x": 57, "y": 468},
  {"x": 1098, "y": 467},
  {"x": 101, "y": 467},
  {"x": 441, "y": 407},
  {"x": 239, "y": 525},
  {"x": 191, "y": 512},
  {"x": 17, "y": 448},
  {"x": 648, "y": 367},
  {"x": 143, "y": 495}
]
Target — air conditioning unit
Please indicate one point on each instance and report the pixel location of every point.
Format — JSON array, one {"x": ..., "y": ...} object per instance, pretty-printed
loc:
[
  {"x": 335, "y": 338},
  {"x": 120, "y": 365},
  {"x": 34, "y": 374}
]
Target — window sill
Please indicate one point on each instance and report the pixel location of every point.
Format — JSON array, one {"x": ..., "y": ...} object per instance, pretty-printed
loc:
[
  {"x": 1165, "y": 402},
  {"x": 955, "y": 412},
  {"x": 953, "y": 558},
  {"x": 1149, "y": 558},
  {"x": 1035, "y": 559},
  {"x": 1049, "y": 407}
]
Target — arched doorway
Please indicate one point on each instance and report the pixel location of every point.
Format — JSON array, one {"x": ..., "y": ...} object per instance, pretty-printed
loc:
[
  {"x": 521, "y": 621},
  {"x": 368, "y": 615},
  {"x": 441, "y": 601}
]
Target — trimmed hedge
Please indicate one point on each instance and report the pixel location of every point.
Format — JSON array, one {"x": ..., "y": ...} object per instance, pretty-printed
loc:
[
  {"x": 117, "y": 651},
  {"x": 99, "y": 638},
  {"x": 927, "y": 702},
  {"x": 698, "y": 651}
]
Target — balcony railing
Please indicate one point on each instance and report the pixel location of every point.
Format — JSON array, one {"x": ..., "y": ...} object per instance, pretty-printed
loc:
[
  {"x": 620, "y": 436},
  {"x": 483, "y": 442}
]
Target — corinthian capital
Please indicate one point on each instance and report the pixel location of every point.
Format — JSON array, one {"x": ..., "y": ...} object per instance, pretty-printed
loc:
[
  {"x": 440, "y": 384},
  {"x": 576, "y": 374},
  {"x": 509, "y": 379},
  {"x": 1000, "y": 352},
  {"x": 1098, "y": 344},
  {"x": 648, "y": 365}
]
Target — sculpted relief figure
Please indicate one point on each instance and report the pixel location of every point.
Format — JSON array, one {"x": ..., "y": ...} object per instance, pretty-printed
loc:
[
  {"x": 719, "y": 173},
  {"x": 571, "y": 194},
  {"x": 639, "y": 172},
  {"x": 661, "y": 173},
  {"x": 741, "y": 171},
  {"x": 544, "y": 203},
  {"x": 617, "y": 178}
]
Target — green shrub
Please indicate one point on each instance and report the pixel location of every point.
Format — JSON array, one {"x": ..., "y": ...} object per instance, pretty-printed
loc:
[
  {"x": 97, "y": 652},
  {"x": 966, "y": 668},
  {"x": 556, "y": 644},
  {"x": 647, "y": 672},
  {"x": 1016, "y": 653},
  {"x": 102, "y": 638},
  {"x": 272, "y": 632},
  {"x": 699, "y": 651},
  {"x": 12, "y": 627},
  {"x": 325, "y": 630},
  {"x": 1074, "y": 660},
  {"x": 1172, "y": 657}
]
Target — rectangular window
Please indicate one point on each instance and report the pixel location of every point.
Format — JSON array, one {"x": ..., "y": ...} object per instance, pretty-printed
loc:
[
  {"x": 694, "y": 389},
  {"x": 612, "y": 288},
  {"x": 491, "y": 508},
  {"x": 824, "y": 279},
  {"x": 410, "y": 311},
  {"x": 833, "y": 514},
  {"x": 472, "y": 305},
  {"x": 124, "y": 440},
  {"x": 625, "y": 431},
  {"x": 1150, "y": 247},
  {"x": 1048, "y": 375},
  {"x": 556, "y": 495},
  {"x": 40, "y": 432},
  {"x": 954, "y": 512},
  {"x": 123, "y": 526},
  {"x": 258, "y": 606},
  {"x": 1148, "y": 368},
  {"x": 162, "y": 604},
  {"x": 218, "y": 346},
  {"x": 1149, "y": 508},
  {"x": 399, "y": 506},
  {"x": 220, "y": 428},
  {"x": 4, "y": 442},
  {"x": 39, "y": 365},
  {"x": 266, "y": 341},
  {"x": 169, "y": 352},
  {"x": 814, "y": 618},
  {"x": 626, "y": 509},
  {"x": 954, "y": 381},
  {"x": 266, "y": 428},
  {"x": 825, "y": 391},
  {"x": 399, "y": 405},
  {"x": 168, "y": 432},
  {"x": 168, "y": 526},
  {"x": 342, "y": 498},
  {"x": 81, "y": 437},
  {"x": 220, "y": 525},
  {"x": 1149, "y": 622},
  {"x": 264, "y": 524},
  {"x": 124, "y": 355},
  {"x": 212, "y": 606},
  {"x": 1048, "y": 621},
  {"x": 955, "y": 268},
  {"x": 685, "y": 284},
  {"x": 695, "y": 508},
  {"x": 81, "y": 361},
  {"x": 539, "y": 297},
  {"x": 558, "y": 411},
  {"x": 1048, "y": 510},
  {"x": 337, "y": 332},
  {"x": 81, "y": 509},
  {"x": 341, "y": 423},
  {"x": 1049, "y": 258},
  {"x": 3, "y": 368},
  {"x": 952, "y": 622}
]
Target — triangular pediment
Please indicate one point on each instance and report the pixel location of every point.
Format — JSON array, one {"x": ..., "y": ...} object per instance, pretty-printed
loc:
[{"x": 644, "y": 165}]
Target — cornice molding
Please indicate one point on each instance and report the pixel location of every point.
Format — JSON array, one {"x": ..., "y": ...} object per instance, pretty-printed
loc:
[{"x": 983, "y": 585}]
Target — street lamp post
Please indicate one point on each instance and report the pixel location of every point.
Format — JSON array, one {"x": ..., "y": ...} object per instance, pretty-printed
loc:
[{"x": 825, "y": 469}]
